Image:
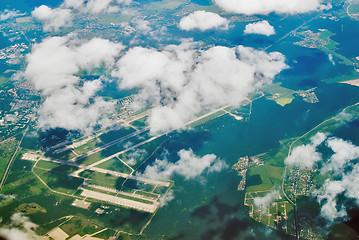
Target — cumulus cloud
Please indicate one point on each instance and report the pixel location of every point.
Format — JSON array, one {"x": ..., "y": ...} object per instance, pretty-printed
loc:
[
  {"x": 19, "y": 228},
  {"x": 251, "y": 7},
  {"x": 53, "y": 19},
  {"x": 142, "y": 25},
  {"x": 261, "y": 27},
  {"x": 182, "y": 80},
  {"x": 8, "y": 14},
  {"x": 305, "y": 156},
  {"x": 70, "y": 101},
  {"x": 203, "y": 21},
  {"x": 348, "y": 185},
  {"x": 263, "y": 202},
  {"x": 189, "y": 166},
  {"x": 344, "y": 152},
  {"x": 345, "y": 171},
  {"x": 96, "y": 6}
]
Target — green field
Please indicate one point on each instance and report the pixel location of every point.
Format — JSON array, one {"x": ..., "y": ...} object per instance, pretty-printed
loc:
[
  {"x": 4, "y": 81},
  {"x": 280, "y": 95},
  {"x": 331, "y": 47},
  {"x": 66, "y": 155},
  {"x": 140, "y": 123},
  {"x": 59, "y": 181},
  {"x": 101, "y": 179},
  {"x": 46, "y": 165},
  {"x": 115, "y": 164},
  {"x": 270, "y": 176},
  {"x": 93, "y": 143}
]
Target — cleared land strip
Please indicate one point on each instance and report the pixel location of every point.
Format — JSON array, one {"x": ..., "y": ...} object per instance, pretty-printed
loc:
[
  {"x": 129, "y": 176},
  {"x": 120, "y": 192},
  {"x": 151, "y": 208}
]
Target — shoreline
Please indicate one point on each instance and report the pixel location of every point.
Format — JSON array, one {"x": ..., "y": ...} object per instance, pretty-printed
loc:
[{"x": 354, "y": 82}]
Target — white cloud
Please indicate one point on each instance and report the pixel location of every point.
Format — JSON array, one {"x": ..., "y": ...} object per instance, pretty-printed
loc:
[
  {"x": 96, "y": 6},
  {"x": 181, "y": 80},
  {"x": 263, "y": 202},
  {"x": 203, "y": 21},
  {"x": 305, "y": 156},
  {"x": 251, "y": 7},
  {"x": 53, "y": 19},
  {"x": 8, "y": 14},
  {"x": 344, "y": 152},
  {"x": 189, "y": 166},
  {"x": 19, "y": 228},
  {"x": 70, "y": 102},
  {"x": 168, "y": 198},
  {"x": 347, "y": 185},
  {"x": 328, "y": 195},
  {"x": 142, "y": 25},
  {"x": 261, "y": 27}
]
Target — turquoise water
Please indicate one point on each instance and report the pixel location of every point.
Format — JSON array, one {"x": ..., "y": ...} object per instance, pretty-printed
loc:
[{"x": 26, "y": 6}]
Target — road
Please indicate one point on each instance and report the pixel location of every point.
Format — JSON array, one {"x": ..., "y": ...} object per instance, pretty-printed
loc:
[{"x": 293, "y": 31}]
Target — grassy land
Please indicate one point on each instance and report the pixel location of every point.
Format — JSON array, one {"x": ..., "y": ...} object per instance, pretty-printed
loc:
[
  {"x": 4, "y": 81},
  {"x": 93, "y": 143},
  {"x": 277, "y": 88},
  {"x": 140, "y": 123},
  {"x": 115, "y": 164},
  {"x": 66, "y": 155},
  {"x": 147, "y": 194},
  {"x": 46, "y": 164},
  {"x": 59, "y": 181},
  {"x": 270, "y": 176},
  {"x": 207, "y": 118},
  {"x": 331, "y": 47},
  {"x": 280, "y": 95},
  {"x": 90, "y": 159},
  {"x": 284, "y": 100},
  {"x": 101, "y": 179},
  {"x": 134, "y": 199}
]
